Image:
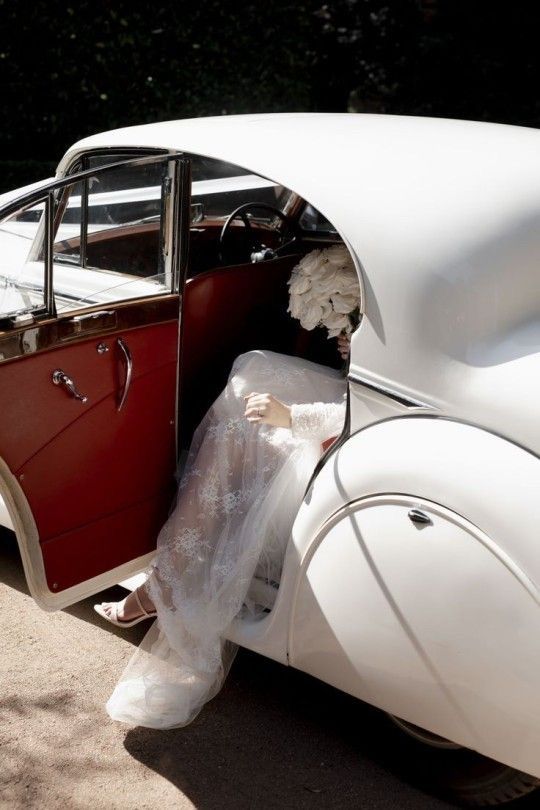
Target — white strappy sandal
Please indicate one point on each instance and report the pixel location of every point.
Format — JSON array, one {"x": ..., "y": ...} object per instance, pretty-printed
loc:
[{"x": 113, "y": 618}]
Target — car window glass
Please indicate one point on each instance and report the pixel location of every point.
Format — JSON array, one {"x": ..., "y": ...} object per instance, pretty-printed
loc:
[
  {"x": 94, "y": 161},
  {"x": 21, "y": 275},
  {"x": 312, "y": 220},
  {"x": 220, "y": 187},
  {"x": 108, "y": 240}
]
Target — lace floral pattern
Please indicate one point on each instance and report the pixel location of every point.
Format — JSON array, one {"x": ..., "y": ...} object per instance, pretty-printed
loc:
[
  {"x": 319, "y": 420},
  {"x": 240, "y": 487}
]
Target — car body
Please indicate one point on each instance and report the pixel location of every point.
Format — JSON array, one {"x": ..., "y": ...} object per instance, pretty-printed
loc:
[{"x": 412, "y": 576}]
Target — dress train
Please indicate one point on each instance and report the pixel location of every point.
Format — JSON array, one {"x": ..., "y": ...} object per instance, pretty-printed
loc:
[{"x": 241, "y": 485}]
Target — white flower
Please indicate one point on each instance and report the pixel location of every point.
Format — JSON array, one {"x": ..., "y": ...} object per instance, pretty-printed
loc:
[
  {"x": 336, "y": 321},
  {"x": 344, "y": 304},
  {"x": 311, "y": 316},
  {"x": 299, "y": 283},
  {"x": 338, "y": 255},
  {"x": 345, "y": 277},
  {"x": 325, "y": 282},
  {"x": 296, "y": 306},
  {"x": 310, "y": 262},
  {"x": 326, "y": 309},
  {"x": 324, "y": 290}
]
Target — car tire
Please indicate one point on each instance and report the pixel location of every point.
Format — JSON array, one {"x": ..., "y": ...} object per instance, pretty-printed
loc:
[{"x": 451, "y": 771}]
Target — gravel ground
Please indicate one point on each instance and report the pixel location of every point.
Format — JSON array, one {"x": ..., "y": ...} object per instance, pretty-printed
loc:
[{"x": 272, "y": 738}]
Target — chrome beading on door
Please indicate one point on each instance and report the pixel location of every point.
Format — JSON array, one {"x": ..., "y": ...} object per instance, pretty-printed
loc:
[{"x": 129, "y": 372}]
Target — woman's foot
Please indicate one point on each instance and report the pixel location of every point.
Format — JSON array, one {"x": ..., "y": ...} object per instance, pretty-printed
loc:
[{"x": 136, "y": 605}]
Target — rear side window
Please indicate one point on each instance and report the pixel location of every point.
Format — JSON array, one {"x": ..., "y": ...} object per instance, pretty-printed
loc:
[
  {"x": 313, "y": 221},
  {"x": 219, "y": 187}
]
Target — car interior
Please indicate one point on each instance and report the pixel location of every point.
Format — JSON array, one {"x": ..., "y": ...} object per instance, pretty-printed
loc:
[
  {"x": 236, "y": 296},
  {"x": 246, "y": 235},
  {"x": 232, "y": 304}
]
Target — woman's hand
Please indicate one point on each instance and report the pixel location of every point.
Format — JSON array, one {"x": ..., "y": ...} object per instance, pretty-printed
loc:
[
  {"x": 267, "y": 409},
  {"x": 344, "y": 345}
]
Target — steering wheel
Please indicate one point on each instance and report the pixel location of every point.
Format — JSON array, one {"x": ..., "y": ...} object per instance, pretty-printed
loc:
[{"x": 258, "y": 251}]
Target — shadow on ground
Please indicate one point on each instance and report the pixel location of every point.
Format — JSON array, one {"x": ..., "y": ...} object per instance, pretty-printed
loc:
[
  {"x": 272, "y": 738},
  {"x": 12, "y": 575},
  {"x": 276, "y": 738},
  {"x": 11, "y": 570}
]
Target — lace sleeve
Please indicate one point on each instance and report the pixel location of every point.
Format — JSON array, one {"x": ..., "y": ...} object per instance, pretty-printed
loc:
[{"x": 317, "y": 420}]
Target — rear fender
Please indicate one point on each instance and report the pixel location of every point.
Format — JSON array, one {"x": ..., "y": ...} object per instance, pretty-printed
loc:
[{"x": 437, "y": 624}]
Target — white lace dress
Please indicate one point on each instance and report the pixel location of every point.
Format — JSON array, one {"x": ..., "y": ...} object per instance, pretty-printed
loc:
[{"x": 240, "y": 488}]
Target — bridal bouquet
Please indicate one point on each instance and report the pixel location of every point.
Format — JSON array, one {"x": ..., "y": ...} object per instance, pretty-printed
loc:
[{"x": 324, "y": 291}]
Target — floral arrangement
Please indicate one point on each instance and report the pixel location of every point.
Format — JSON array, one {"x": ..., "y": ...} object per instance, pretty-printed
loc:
[{"x": 324, "y": 291}]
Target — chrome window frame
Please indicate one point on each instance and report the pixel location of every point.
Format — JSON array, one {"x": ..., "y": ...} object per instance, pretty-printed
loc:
[{"x": 45, "y": 233}]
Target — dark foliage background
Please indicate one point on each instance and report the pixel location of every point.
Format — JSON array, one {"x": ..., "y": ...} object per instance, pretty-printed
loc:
[{"x": 72, "y": 69}]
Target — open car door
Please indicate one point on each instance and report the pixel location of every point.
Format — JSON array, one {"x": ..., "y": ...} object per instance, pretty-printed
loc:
[{"x": 89, "y": 279}]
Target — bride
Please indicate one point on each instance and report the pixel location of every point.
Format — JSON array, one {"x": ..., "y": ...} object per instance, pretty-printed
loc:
[{"x": 241, "y": 486}]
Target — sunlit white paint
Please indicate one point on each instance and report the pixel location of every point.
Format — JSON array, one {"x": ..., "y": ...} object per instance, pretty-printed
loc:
[{"x": 438, "y": 625}]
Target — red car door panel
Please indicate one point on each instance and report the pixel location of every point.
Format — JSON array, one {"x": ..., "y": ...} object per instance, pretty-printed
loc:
[
  {"x": 90, "y": 550},
  {"x": 98, "y": 480},
  {"x": 88, "y": 390}
]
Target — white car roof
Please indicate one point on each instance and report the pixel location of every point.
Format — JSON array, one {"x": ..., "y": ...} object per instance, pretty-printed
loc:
[
  {"x": 390, "y": 184},
  {"x": 444, "y": 217}
]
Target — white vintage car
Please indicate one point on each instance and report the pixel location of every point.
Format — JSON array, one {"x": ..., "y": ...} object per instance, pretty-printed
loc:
[{"x": 158, "y": 253}]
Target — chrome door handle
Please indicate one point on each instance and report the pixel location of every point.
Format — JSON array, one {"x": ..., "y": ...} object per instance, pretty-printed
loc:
[
  {"x": 60, "y": 377},
  {"x": 129, "y": 372}
]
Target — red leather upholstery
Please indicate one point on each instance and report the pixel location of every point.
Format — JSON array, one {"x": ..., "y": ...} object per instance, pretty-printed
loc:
[
  {"x": 328, "y": 443},
  {"x": 226, "y": 312},
  {"x": 229, "y": 311},
  {"x": 87, "y": 469}
]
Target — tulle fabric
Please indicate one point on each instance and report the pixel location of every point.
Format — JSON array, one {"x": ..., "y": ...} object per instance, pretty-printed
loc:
[{"x": 240, "y": 488}]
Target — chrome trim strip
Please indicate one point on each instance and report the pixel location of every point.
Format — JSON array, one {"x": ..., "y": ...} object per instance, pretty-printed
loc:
[
  {"x": 53, "y": 333},
  {"x": 389, "y": 392},
  {"x": 88, "y": 316},
  {"x": 129, "y": 371},
  {"x": 83, "y": 223},
  {"x": 180, "y": 235},
  {"x": 181, "y": 220},
  {"x": 346, "y": 434},
  {"x": 29, "y": 196},
  {"x": 333, "y": 448},
  {"x": 84, "y": 155},
  {"x": 49, "y": 300}
]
